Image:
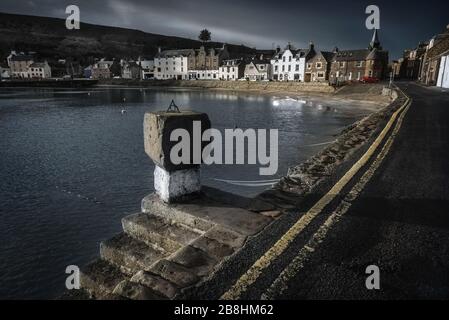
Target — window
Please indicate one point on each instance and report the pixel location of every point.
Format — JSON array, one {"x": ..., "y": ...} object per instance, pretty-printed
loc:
[
  {"x": 320, "y": 74},
  {"x": 261, "y": 67},
  {"x": 290, "y": 59},
  {"x": 283, "y": 68},
  {"x": 283, "y": 59},
  {"x": 359, "y": 64},
  {"x": 275, "y": 68},
  {"x": 289, "y": 68},
  {"x": 319, "y": 65},
  {"x": 342, "y": 64},
  {"x": 309, "y": 66},
  {"x": 297, "y": 67}
]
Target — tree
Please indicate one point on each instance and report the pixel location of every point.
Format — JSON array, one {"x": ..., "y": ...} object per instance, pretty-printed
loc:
[{"x": 204, "y": 35}]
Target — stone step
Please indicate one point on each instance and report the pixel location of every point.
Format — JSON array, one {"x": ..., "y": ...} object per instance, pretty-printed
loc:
[
  {"x": 136, "y": 291},
  {"x": 204, "y": 213},
  {"x": 99, "y": 278},
  {"x": 129, "y": 254},
  {"x": 159, "y": 232}
]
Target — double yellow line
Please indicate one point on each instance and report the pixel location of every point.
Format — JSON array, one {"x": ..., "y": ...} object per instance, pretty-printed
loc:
[{"x": 253, "y": 273}]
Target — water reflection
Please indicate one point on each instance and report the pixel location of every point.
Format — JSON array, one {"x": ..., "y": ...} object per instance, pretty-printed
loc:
[{"x": 73, "y": 165}]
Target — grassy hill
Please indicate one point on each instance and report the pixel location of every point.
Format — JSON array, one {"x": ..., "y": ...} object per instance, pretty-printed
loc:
[{"x": 50, "y": 38}]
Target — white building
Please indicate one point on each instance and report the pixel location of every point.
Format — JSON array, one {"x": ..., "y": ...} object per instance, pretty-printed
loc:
[
  {"x": 5, "y": 73},
  {"x": 203, "y": 75},
  {"x": 231, "y": 70},
  {"x": 257, "y": 70},
  {"x": 289, "y": 64},
  {"x": 39, "y": 70},
  {"x": 172, "y": 64},
  {"x": 443, "y": 74}
]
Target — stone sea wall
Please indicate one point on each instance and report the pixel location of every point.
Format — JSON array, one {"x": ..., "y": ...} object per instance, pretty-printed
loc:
[{"x": 260, "y": 86}]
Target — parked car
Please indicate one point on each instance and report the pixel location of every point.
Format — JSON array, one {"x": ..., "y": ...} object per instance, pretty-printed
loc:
[{"x": 369, "y": 80}]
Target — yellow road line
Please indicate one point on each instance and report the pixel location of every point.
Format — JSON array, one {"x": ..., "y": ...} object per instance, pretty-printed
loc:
[
  {"x": 280, "y": 284},
  {"x": 253, "y": 273}
]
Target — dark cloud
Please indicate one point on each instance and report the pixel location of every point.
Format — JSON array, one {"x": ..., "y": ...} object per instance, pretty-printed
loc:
[{"x": 255, "y": 23}]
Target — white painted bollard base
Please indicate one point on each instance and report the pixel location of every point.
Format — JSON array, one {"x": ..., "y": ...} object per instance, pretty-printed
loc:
[{"x": 175, "y": 184}]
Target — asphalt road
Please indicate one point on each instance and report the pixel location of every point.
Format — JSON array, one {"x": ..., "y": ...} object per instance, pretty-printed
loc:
[{"x": 400, "y": 222}]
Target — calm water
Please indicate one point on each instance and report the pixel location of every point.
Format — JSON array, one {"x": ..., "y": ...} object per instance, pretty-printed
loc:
[{"x": 72, "y": 165}]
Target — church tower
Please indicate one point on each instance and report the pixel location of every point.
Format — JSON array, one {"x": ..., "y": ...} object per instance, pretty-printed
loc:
[{"x": 375, "y": 43}]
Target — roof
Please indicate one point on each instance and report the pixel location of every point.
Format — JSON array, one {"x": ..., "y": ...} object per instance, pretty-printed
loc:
[
  {"x": 297, "y": 53},
  {"x": 440, "y": 46},
  {"x": 327, "y": 55},
  {"x": 351, "y": 55},
  {"x": 38, "y": 65},
  {"x": 231, "y": 62},
  {"x": 175, "y": 53},
  {"x": 22, "y": 58},
  {"x": 375, "y": 43},
  {"x": 258, "y": 61}
]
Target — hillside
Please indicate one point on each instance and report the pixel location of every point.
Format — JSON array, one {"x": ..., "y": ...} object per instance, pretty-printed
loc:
[{"x": 50, "y": 38}]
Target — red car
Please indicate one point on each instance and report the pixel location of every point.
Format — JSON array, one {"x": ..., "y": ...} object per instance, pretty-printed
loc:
[{"x": 369, "y": 80}]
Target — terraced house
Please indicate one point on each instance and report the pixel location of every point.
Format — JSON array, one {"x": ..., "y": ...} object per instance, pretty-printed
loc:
[
  {"x": 318, "y": 67},
  {"x": 349, "y": 65},
  {"x": 258, "y": 69},
  {"x": 435, "y": 67},
  {"x": 289, "y": 64}
]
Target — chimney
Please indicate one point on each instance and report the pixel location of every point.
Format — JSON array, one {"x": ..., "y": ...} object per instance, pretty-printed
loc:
[
  {"x": 278, "y": 49},
  {"x": 311, "y": 46}
]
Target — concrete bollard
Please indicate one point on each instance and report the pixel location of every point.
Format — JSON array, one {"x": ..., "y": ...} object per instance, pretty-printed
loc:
[{"x": 173, "y": 182}]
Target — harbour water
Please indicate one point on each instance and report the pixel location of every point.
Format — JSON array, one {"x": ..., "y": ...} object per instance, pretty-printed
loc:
[{"x": 73, "y": 164}]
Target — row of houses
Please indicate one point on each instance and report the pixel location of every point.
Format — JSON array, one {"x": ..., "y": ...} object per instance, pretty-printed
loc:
[
  {"x": 212, "y": 63},
  {"x": 427, "y": 63},
  {"x": 288, "y": 64}
]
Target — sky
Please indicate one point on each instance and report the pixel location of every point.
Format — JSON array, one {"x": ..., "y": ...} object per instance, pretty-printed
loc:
[{"x": 261, "y": 24}]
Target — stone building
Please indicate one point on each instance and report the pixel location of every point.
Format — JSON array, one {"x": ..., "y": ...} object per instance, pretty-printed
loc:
[
  {"x": 207, "y": 58},
  {"x": 411, "y": 62},
  {"x": 131, "y": 70},
  {"x": 318, "y": 67},
  {"x": 102, "y": 69},
  {"x": 437, "y": 48},
  {"x": 350, "y": 65},
  {"x": 19, "y": 64},
  {"x": 39, "y": 70}
]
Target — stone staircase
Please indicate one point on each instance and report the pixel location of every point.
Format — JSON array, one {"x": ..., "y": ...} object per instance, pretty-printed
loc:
[{"x": 167, "y": 248}]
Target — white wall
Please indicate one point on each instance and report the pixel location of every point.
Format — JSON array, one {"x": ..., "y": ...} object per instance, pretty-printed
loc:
[
  {"x": 288, "y": 66},
  {"x": 443, "y": 74},
  {"x": 232, "y": 74},
  {"x": 170, "y": 68}
]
